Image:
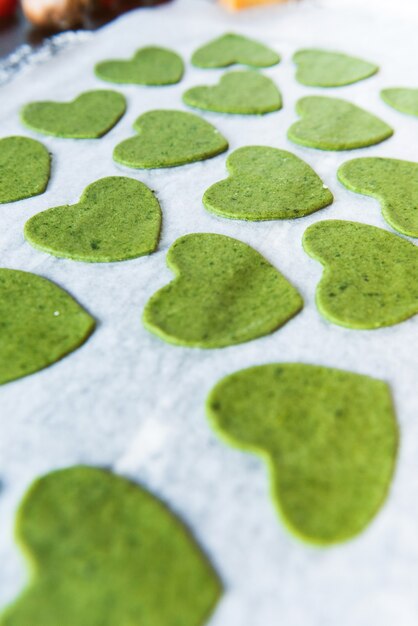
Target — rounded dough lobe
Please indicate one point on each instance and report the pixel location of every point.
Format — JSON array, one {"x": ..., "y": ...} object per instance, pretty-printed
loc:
[
  {"x": 224, "y": 293},
  {"x": 267, "y": 184},
  {"x": 117, "y": 219},
  {"x": 89, "y": 116},
  {"x": 167, "y": 138},
  {"x": 40, "y": 324},
  {"x": 335, "y": 124},
  {"x": 149, "y": 66},
  {"x": 370, "y": 276},
  {"x": 402, "y": 99},
  {"x": 324, "y": 68},
  {"x": 25, "y": 166},
  {"x": 244, "y": 93},
  {"x": 231, "y": 49},
  {"x": 329, "y": 438},
  {"x": 107, "y": 552},
  {"x": 391, "y": 181}
]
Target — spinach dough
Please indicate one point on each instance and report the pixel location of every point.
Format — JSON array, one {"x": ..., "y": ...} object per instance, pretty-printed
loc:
[
  {"x": 148, "y": 66},
  {"x": 245, "y": 93},
  {"x": 168, "y": 138},
  {"x": 91, "y": 115},
  {"x": 267, "y": 184},
  {"x": 105, "y": 551},
  {"x": 116, "y": 219},
  {"x": 402, "y": 99},
  {"x": 40, "y": 324},
  {"x": 224, "y": 293},
  {"x": 393, "y": 182},
  {"x": 370, "y": 277},
  {"x": 25, "y": 166},
  {"x": 335, "y": 124},
  {"x": 323, "y": 68},
  {"x": 329, "y": 439},
  {"x": 231, "y": 49}
]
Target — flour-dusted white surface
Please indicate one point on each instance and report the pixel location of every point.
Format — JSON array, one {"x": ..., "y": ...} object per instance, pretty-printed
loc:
[{"x": 128, "y": 401}]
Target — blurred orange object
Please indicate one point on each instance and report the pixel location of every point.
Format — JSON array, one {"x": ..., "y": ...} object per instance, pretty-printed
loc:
[{"x": 246, "y": 4}]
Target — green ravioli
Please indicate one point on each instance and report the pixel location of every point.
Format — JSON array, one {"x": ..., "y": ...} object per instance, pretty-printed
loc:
[
  {"x": 116, "y": 219},
  {"x": 224, "y": 293},
  {"x": 149, "y": 66},
  {"x": 334, "y": 124},
  {"x": 245, "y": 93},
  {"x": 267, "y": 184},
  {"x": 322, "y": 68},
  {"x": 92, "y": 114},
  {"x": 329, "y": 439},
  {"x": 105, "y": 552},
  {"x": 370, "y": 277},
  {"x": 39, "y": 324},
  {"x": 24, "y": 168},
  {"x": 402, "y": 99},
  {"x": 168, "y": 138},
  {"x": 393, "y": 182},
  {"x": 230, "y": 49}
]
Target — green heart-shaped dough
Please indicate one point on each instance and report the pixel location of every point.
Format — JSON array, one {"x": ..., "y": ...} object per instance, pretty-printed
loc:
[
  {"x": 322, "y": 68},
  {"x": 370, "y": 278},
  {"x": 149, "y": 66},
  {"x": 168, "y": 138},
  {"x": 92, "y": 114},
  {"x": 393, "y": 182},
  {"x": 116, "y": 219},
  {"x": 335, "y": 124},
  {"x": 267, "y": 184},
  {"x": 107, "y": 553},
  {"x": 40, "y": 324},
  {"x": 329, "y": 438},
  {"x": 245, "y": 93},
  {"x": 230, "y": 49},
  {"x": 224, "y": 293},
  {"x": 402, "y": 99},
  {"x": 25, "y": 166}
]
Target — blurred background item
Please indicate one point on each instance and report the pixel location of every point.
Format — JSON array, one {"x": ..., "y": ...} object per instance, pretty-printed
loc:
[
  {"x": 7, "y": 8},
  {"x": 32, "y": 21},
  {"x": 60, "y": 14},
  {"x": 245, "y": 4}
]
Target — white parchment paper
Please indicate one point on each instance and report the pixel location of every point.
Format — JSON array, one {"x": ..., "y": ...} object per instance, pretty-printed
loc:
[{"x": 128, "y": 401}]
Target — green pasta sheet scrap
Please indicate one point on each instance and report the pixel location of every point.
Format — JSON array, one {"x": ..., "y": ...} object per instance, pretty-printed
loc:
[
  {"x": 89, "y": 116},
  {"x": 25, "y": 166},
  {"x": 329, "y": 438},
  {"x": 335, "y": 124},
  {"x": 149, "y": 66},
  {"x": 403, "y": 99},
  {"x": 231, "y": 49},
  {"x": 267, "y": 184},
  {"x": 39, "y": 324},
  {"x": 325, "y": 68},
  {"x": 116, "y": 219},
  {"x": 244, "y": 93},
  {"x": 391, "y": 181},
  {"x": 224, "y": 293},
  {"x": 370, "y": 276},
  {"x": 104, "y": 551},
  {"x": 167, "y": 138}
]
